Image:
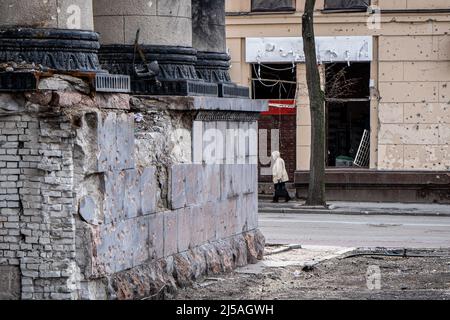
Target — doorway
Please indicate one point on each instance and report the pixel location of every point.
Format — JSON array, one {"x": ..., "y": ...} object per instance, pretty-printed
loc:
[{"x": 347, "y": 93}]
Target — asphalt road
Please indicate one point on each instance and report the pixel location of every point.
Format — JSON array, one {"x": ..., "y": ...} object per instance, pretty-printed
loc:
[{"x": 356, "y": 231}]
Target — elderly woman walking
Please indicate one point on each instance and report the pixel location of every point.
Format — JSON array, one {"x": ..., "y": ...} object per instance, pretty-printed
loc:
[{"x": 280, "y": 177}]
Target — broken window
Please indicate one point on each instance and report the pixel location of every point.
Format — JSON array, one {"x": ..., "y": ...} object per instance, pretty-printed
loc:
[
  {"x": 347, "y": 113},
  {"x": 273, "y": 5},
  {"x": 357, "y": 5},
  {"x": 274, "y": 81}
]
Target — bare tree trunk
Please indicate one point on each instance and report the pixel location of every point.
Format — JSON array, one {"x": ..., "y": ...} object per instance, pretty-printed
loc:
[{"x": 316, "y": 193}]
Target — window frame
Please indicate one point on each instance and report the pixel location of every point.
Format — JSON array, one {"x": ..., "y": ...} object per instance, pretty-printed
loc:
[
  {"x": 346, "y": 9},
  {"x": 281, "y": 10}
]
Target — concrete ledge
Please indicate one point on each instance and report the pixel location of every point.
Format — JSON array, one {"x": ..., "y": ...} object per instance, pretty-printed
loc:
[
  {"x": 201, "y": 103},
  {"x": 381, "y": 186}
]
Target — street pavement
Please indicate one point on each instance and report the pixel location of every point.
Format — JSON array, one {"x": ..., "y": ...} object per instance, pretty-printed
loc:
[
  {"x": 390, "y": 231},
  {"x": 358, "y": 208}
]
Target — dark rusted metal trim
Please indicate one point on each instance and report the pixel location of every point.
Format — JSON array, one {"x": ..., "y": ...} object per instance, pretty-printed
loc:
[
  {"x": 361, "y": 177},
  {"x": 18, "y": 81}
]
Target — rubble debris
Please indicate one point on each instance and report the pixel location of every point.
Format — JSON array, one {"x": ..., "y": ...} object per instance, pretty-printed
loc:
[
  {"x": 60, "y": 82},
  {"x": 341, "y": 279},
  {"x": 21, "y": 67},
  {"x": 283, "y": 249},
  {"x": 309, "y": 268}
]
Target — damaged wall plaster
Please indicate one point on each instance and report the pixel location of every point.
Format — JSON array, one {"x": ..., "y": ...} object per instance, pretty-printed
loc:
[{"x": 93, "y": 195}]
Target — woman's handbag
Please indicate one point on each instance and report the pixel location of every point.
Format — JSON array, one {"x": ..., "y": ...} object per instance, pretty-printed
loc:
[{"x": 281, "y": 191}]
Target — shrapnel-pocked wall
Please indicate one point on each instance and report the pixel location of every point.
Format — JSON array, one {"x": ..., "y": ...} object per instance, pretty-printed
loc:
[{"x": 101, "y": 199}]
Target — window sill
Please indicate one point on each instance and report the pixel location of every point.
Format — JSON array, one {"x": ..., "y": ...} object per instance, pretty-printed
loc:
[
  {"x": 273, "y": 11},
  {"x": 343, "y": 10},
  {"x": 256, "y": 13}
]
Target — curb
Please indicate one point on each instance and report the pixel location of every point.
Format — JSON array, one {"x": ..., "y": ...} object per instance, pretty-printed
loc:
[{"x": 352, "y": 213}]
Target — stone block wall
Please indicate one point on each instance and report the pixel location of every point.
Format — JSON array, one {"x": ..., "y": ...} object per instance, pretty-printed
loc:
[
  {"x": 101, "y": 199},
  {"x": 205, "y": 205},
  {"x": 414, "y": 121}
]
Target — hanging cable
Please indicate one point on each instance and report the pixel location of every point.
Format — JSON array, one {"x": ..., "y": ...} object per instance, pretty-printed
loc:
[
  {"x": 272, "y": 83},
  {"x": 268, "y": 85},
  {"x": 258, "y": 73},
  {"x": 275, "y": 69}
]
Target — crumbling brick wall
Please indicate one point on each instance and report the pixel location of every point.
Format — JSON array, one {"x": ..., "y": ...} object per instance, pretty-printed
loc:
[{"x": 37, "y": 207}]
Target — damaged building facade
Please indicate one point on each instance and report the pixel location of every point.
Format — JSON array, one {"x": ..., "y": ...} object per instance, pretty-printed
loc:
[
  {"x": 107, "y": 187},
  {"x": 385, "y": 69}
]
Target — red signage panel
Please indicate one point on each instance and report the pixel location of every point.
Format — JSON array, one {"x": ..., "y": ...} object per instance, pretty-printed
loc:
[{"x": 281, "y": 108}]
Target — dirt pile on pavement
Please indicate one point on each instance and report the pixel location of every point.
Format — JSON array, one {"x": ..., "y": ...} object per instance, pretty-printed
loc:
[{"x": 423, "y": 274}]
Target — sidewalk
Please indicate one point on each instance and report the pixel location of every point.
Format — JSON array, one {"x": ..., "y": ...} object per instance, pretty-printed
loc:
[{"x": 356, "y": 208}]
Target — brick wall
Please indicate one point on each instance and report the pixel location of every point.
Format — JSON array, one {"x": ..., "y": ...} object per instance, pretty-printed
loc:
[
  {"x": 288, "y": 132},
  {"x": 36, "y": 215}
]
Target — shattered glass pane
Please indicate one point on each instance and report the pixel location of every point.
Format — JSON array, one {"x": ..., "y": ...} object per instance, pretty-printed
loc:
[
  {"x": 347, "y": 4},
  {"x": 271, "y": 5}
]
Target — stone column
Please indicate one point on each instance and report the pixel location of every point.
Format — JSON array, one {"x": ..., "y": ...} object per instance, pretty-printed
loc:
[
  {"x": 55, "y": 34},
  {"x": 166, "y": 63},
  {"x": 209, "y": 38}
]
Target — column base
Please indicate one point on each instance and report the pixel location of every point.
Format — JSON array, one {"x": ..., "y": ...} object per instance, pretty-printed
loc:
[
  {"x": 176, "y": 75},
  {"x": 214, "y": 67},
  {"x": 18, "y": 81},
  {"x": 29, "y": 54},
  {"x": 56, "y": 49},
  {"x": 232, "y": 90},
  {"x": 174, "y": 88}
]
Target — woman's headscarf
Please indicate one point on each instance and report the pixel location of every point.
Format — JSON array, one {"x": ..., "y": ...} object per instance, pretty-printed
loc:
[{"x": 276, "y": 155}]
